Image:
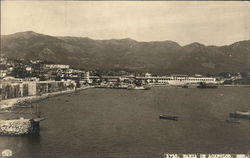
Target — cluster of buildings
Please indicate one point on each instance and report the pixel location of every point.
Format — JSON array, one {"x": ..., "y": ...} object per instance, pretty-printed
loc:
[
  {"x": 148, "y": 79},
  {"x": 176, "y": 79},
  {"x": 21, "y": 78},
  {"x": 38, "y": 69},
  {"x": 11, "y": 87}
]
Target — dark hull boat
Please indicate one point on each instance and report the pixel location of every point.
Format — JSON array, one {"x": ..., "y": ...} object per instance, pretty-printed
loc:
[
  {"x": 167, "y": 117},
  {"x": 232, "y": 121},
  {"x": 205, "y": 85},
  {"x": 240, "y": 114}
]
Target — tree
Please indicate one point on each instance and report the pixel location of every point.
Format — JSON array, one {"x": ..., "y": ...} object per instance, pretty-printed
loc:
[
  {"x": 58, "y": 78},
  {"x": 138, "y": 82}
]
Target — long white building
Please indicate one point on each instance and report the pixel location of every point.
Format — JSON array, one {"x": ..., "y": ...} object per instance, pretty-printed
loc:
[{"x": 176, "y": 79}]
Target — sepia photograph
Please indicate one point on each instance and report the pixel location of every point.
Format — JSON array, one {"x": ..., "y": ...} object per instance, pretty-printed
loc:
[{"x": 125, "y": 79}]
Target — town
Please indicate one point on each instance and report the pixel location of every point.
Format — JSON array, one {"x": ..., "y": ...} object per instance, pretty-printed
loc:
[{"x": 22, "y": 78}]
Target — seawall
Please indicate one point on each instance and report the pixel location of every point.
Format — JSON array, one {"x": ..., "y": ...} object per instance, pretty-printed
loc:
[{"x": 8, "y": 103}]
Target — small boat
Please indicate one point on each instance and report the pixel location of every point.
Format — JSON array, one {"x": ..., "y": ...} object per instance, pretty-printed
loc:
[
  {"x": 120, "y": 87},
  {"x": 174, "y": 118},
  {"x": 39, "y": 119},
  {"x": 205, "y": 85},
  {"x": 138, "y": 88},
  {"x": 240, "y": 114},
  {"x": 232, "y": 121}
]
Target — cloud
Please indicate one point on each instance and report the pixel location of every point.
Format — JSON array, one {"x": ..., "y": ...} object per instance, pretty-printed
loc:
[{"x": 215, "y": 23}]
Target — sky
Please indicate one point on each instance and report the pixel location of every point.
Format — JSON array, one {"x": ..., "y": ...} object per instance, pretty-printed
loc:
[{"x": 185, "y": 22}]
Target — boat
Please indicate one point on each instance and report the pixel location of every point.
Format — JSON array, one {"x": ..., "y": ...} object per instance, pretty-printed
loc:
[
  {"x": 120, "y": 87},
  {"x": 138, "y": 88},
  {"x": 147, "y": 88},
  {"x": 185, "y": 86},
  {"x": 232, "y": 121},
  {"x": 174, "y": 118},
  {"x": 205, "y": 85},
  {"x": 240, "y": 114}
]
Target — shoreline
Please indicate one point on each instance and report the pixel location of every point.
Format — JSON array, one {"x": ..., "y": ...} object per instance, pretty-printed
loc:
[
  {"x": 9, "y": 103},
  {"x": 236, "y": 86}
]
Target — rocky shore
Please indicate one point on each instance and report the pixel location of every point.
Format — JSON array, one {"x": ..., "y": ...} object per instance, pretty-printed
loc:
[{"x": 15, "y": 127}]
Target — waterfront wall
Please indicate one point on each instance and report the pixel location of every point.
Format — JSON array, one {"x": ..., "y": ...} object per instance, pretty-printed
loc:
[
  {"x": 15, "y": 127},
  {"x": 10, "y": 90}
]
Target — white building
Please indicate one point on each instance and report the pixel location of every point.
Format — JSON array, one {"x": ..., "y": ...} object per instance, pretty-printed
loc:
[
  {"x": 29, "y": 69},
  {"x": 177, "y": 79},
  {"x": 56, "y": 66},
  {"x": 3, "y": 73}
]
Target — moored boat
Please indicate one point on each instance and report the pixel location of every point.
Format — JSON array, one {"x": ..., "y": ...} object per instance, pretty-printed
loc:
[
  {"x": 185, "y": 86},
  {"x": 205, "y": 85},
  {"x": 232, "y": 121},
  {"x": 240, "y": 114},
  {"x": 174, "y": 118},
  {"x": 139, "y": 88},
  {"x": 120, "y": 87}
]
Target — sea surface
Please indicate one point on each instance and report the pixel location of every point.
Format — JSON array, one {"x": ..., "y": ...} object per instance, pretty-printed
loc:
[{"x": 114, "y": 123}]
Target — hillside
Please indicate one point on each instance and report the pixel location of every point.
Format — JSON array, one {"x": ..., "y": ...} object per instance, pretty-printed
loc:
[{"x": 161, "y": 57}]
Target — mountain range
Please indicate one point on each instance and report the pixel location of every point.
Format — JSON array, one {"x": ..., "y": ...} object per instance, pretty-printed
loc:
[{"x": 160, "y": 57}]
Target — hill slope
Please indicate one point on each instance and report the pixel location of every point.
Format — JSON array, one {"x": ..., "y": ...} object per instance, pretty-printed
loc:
[{"x": 160, "y": 57}]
